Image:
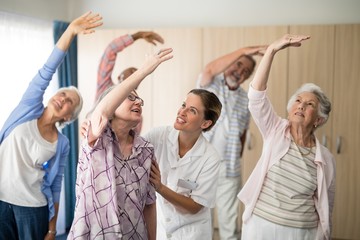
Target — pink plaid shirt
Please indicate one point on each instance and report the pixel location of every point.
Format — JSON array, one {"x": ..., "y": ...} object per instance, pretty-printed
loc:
[{"x": 107, "y": 62}]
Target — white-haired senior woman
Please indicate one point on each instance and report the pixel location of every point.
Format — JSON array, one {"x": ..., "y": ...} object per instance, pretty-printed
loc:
[
  {"x": 290, "y": 193},
  {"x": 33, "y": 151}
]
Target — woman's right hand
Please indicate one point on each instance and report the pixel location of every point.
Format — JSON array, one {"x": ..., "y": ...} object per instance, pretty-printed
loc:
[{"x": 86, "y": 23}]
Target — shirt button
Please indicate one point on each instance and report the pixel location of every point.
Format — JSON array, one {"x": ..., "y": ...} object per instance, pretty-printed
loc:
[
  {"x": 167, "y": 219},
  {"x": 168, "y": 235}
]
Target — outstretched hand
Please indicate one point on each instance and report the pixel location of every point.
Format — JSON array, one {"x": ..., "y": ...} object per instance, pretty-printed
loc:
[
  {"x": 288, "y": 40},
  {"x": 150, "y": 37},
  {"x": 86, "y": 23},
  {"x": 156, "y": 59}
]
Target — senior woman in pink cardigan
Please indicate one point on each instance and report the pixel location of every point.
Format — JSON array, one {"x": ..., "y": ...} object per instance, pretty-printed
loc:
[{"x": 290, "y": 193}]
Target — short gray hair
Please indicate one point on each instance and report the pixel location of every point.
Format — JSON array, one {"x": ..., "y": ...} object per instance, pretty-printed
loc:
[
  {"x": 325, "y": 104},
  {"x": 77, "y": 109}
]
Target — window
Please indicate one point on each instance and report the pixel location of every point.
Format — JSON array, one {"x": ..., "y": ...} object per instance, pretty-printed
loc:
[{"x": 25, "y": 44}]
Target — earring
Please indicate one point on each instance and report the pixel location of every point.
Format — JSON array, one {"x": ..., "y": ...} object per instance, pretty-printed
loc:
[{"x": 315, "y": 125}]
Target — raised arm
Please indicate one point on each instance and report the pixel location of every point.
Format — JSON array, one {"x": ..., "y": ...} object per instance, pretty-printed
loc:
[
  {"x": 220, "y": 64},
  {"x": 84, "y": 24},
  {"x": 261, "y": 77},
  {"x": 108, "y": 59},
  {"x": 107, "y": 106},
  {"x": 107, "y": 63}
]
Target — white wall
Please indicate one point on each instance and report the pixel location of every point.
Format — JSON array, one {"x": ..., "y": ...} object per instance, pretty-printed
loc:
[
  {"x": 42, "y": 9},
  {"x": 187, "y": 13},
  {"x": 193, "y": 13}
]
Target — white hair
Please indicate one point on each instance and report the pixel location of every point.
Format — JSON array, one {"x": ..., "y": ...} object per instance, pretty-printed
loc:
[
  {"x": 324, "y": 103},
  {"x": 77, "y": 109}
]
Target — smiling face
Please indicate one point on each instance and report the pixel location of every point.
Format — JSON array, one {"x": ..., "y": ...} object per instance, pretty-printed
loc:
[
  {"x": 130, "y": 110},
  {"x": 63, "y": 104},
  {"x": 238, "y": 72},
  {"x": 305, "y": 110},
  {"x": 190, "y": 116}
]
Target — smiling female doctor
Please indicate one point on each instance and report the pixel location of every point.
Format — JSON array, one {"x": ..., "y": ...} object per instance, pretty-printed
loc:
[{"x": 185, "y": 175}]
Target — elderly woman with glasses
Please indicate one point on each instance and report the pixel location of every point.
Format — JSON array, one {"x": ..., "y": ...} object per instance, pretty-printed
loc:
[{"x": 114, "y": 197}]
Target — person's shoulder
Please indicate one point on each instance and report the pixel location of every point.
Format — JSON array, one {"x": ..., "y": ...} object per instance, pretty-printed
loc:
[
  {"x": 158, "y": 132},
  {"x": 210, "y": 150},
  {"x": 161, "y": 129},
  {"x": 62, "y": 138},
  {"x": 219, "y": 79}
]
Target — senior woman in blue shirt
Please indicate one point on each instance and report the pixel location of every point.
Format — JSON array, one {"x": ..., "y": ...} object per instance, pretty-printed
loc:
[{"x": 33, "y": 151}]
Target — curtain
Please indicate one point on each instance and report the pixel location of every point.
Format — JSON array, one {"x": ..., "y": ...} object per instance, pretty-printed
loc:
[{"x": 67, "y": 74}]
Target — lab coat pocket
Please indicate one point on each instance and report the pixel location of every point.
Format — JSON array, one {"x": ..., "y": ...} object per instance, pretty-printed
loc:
[{"x": 186, "y": 186}]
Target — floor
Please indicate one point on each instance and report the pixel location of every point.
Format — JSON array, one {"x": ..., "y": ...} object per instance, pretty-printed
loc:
[{"x": 215, "y": 237}]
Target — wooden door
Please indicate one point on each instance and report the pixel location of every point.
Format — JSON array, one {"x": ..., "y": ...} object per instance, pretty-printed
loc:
[
  {"x": 346, "y": 132},
  {"x": 313, "y": 62}
]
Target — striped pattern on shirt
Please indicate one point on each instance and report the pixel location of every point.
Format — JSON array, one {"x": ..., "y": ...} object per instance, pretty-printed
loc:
[
  {"x": 239, "y": 120},
  {"x": 289, "y": 187}
]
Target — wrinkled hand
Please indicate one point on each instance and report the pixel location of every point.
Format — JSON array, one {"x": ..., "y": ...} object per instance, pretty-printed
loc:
[
  {"x": 150, "y": 37},
  {"x": 155, "y": 176},
  {"x": 86, "y": 23},
  {"x": 288, "y": 40}
]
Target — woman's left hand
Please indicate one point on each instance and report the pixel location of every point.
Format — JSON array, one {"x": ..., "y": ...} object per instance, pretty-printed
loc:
[
  {"x": 288, "y": 40},
  {"x": 155, "y": 176}
]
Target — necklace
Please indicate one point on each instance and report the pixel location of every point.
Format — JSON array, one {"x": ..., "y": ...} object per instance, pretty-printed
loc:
[
  {"x": 303, "y": 154},
  {"x": 306, "y": 153}
]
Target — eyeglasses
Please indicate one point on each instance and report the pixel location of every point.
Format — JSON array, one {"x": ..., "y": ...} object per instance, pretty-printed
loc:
[{"x": 132, "y": 97}]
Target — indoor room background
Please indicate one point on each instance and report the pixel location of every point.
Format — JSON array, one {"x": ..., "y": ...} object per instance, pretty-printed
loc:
[{"x": 200, "y": 31}]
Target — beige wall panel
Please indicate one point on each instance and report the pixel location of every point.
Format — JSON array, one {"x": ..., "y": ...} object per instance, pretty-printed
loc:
[
  {"x": 346, "y": 125},
  {"x": 314, "y": 62},
  {"x": 175, "y": 78}
]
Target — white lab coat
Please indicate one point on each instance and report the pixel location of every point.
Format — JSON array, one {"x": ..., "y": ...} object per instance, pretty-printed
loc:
[{"x": 193, "y": 175}]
